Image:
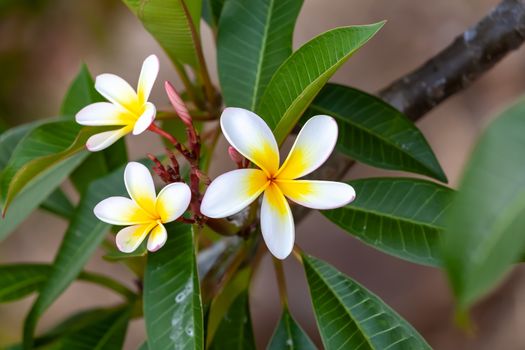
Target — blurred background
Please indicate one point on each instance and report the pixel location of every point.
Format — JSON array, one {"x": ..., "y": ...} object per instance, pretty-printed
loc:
[{"x": 43, "y": 43}]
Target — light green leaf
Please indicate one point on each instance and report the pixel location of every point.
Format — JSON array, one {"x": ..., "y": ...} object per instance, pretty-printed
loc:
[
  {"x": 82, "y": 237},
  {"x": 403, "y": 217},
  {"x": 373, "y": 132},
  {"x": 21, "y": 280},
  {"x": 175, "y": 24},
  {"x": 289, "y": 335},
  {"x": 254, "y": 39},
  {"x": 305, "y": 72},
  {"x": 235, "y": 330},
  {"x": 487, "y": 221},
  {"x": 351, "y": 317},
  {"x": 172, "y": 301},
  {"x": 81, "y": 93},
  {"x": 58, "y": 203},
  {"x": 44, "y": 148}
]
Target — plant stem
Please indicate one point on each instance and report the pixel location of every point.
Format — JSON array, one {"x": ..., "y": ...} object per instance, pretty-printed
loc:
[
  {"x": 281, "y": 281},
  {"x": 108, "y": 283},
  {"x": 190, "y": 89}
]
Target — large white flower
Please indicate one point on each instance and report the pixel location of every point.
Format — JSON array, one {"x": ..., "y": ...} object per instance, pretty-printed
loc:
[
  {"x": 145, "y": 212},
  {"x": 235, "y": 190},
  {"x": 126, "y": 108}
]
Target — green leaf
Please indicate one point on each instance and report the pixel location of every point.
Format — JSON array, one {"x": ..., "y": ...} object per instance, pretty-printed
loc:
[
  {"x": 82, "y": 237},
  {"x": 373, "y": 132},
  {"x": 81, "y": 93},
  {"x": 289, "y": 335},
  {"x": 254, "y": 39},
  {"x": 235, "y": 330},
  {"x": 20, "y": 280},
  {"x": 58, "y": 203},
  {"x": 171, "y": 22},
  {"x": 403, "y": 217},
  {"x": 107, "y": 333},
  {"x": 305, "y": 72},
  {"x": 44, "y": 148},
  {"x": 211, "y": 12},
  {"x": 10, "y": 139},
  {"x": 351, "y": 317},
  {"x": 486, "y": 227},
  {"x": 172, "y": 301}
]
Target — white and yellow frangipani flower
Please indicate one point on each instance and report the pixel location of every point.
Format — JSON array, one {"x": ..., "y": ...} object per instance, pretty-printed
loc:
[
  {"x": 126, "y": 108},
  {"x": 145, "y": 212},
  {"x": 233, "y": 191}
]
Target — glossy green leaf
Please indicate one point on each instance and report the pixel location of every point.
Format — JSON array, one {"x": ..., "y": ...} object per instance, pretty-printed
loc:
[
  {"x": 254, "y": 39},
  {"x": 82, "y": 237},
  {"x": 351, "y": 317},
  {"x": 81, "y": 93},
  {"x": 107, "y": 333},
  {"x": 298, "y": 80},
  {"x": 289, "y": 335},
  {"x": 487, "y": 221},
  {"x": 20, "y": 280},
  {"x": 58, "y": 203},
  {"x": 172, "y": 301},
  {"x": 10, "y": 139},
  {"x": 235, "y": 330},
  {"x": 170, "y": 22},
  {"x": 373, "y": 132},
  {"x": 44, "y": 148},
  {"x": 403, "y": 217},
  {"x": 211, "y": 12}
]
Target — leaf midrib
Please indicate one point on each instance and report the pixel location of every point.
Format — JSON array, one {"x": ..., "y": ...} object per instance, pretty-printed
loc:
[{"x": 261, "y": 57}]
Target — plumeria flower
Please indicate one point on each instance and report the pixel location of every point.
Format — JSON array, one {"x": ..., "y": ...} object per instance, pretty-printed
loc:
[
  {"x": 235, "y": 190},
  {"x": 145, "y": 212},
  {"x": 126, "y": 108}
]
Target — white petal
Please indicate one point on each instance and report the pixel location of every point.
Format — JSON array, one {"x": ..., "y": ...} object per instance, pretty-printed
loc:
[
  {"x": 172, "y": 201},
  {"x": 145, "y": 119},
  {"x": 118, "y": 91},
  {"x": 140, "y": 186},
  {"x": 313, "y": 145},
  {"x": 148, "y": 75},
  {"x": 251, "y": 136},
  {"x": 129, "y": 238},
  {"x": 157, "y": 238},
  {"x": 277, "y": 224},
  {"x": 103, "y": 113},
  {"x": 121, "y": 211},
  {"x": 233, "y": 191},
  {"x": 105, "y": 139},
  {"x": 318, "y": 194}
]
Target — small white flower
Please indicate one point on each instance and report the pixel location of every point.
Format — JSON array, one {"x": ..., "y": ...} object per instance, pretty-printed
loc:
[
  {"x": 235, "y": 190},
  {"x": 145, "y": 211},
  {"x": 126, "y": 108}
]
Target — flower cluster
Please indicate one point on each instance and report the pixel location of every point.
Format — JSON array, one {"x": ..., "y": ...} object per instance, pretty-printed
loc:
[{"x": 249, "y": 137}]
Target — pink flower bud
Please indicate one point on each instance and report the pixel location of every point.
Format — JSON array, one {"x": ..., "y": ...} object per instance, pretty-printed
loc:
[
  {"x": 178, "y": 104},
  {"x": 236, "y": 156}
]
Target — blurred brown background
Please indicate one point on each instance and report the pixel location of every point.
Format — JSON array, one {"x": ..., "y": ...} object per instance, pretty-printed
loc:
[{"x": 43, "y": 42}]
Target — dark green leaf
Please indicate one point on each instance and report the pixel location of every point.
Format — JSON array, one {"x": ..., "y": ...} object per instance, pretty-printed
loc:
[
  {"x": 172, "y": 302},
  {"x": 351, "y": 317},
  {"x": 10, "y": 139},
  {"x": 58, "y": 203},
  {"x": 21, "y": 280},
  {"x": 400, "y": 216},
  {"x": 298, "y": 80},
  {"x": 487, "y": 220},
  {"x": 373, "y": 132},
  {"x": 211, "y": 12},
  {"x": 235, "y": 330},
  {"x": 81, "y": 93},
  {"x": 289, "y": 335},
  {"x": 171, "y": 25},
  {"x": 82, "y": 237},
  {"x": 254, "y": 39}
]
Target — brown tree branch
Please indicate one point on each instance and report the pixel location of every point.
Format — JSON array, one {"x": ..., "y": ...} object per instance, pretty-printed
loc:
[{"x": 456, "y": 67}]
